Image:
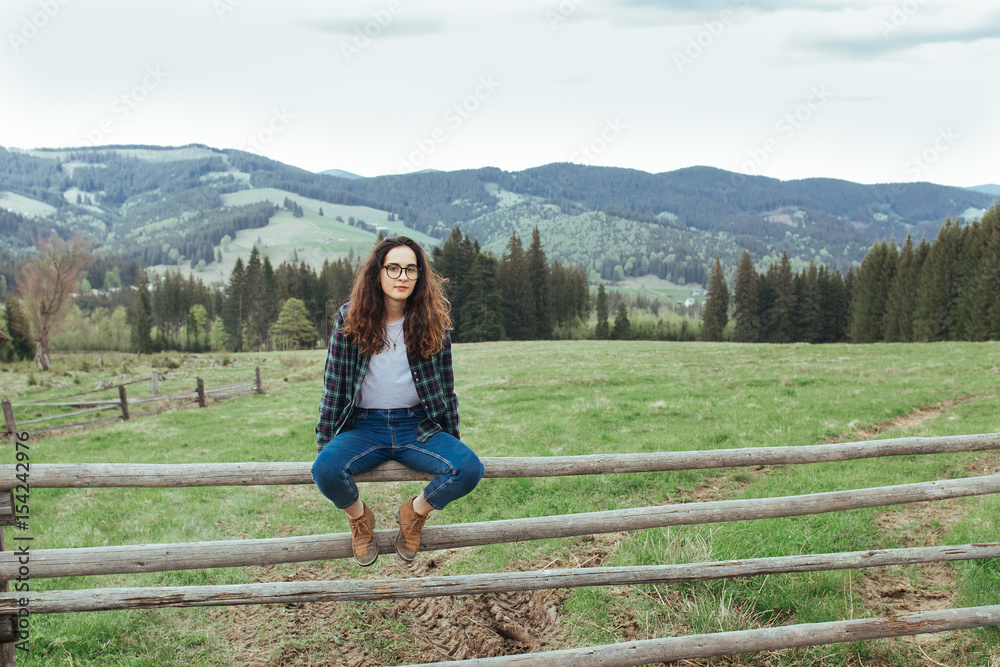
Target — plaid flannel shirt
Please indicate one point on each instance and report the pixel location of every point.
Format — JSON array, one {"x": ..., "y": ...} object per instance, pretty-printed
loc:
[{"x": 345, "y": 371}]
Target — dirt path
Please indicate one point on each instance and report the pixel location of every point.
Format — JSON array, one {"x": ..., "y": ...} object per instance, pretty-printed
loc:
[{"x": 394, "y": 632}]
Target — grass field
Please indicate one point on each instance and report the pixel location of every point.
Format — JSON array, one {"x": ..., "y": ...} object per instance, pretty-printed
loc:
[{"x": 542, "y": 399}]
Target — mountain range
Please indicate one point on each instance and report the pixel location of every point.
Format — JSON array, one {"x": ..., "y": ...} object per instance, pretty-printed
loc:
[{"x": 199, "y": 208}]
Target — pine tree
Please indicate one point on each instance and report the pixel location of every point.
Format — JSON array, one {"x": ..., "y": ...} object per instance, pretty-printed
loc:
[
  {"x": 538, "y": 273},
  {"x": 781, "y": 314},
  {"x": 984, "y": 287},
  {"x": 622, "y": 330},
  {"x": 254, "y": 305},
  {"x": 833, "y": 306},
  {"x": 269, "y": 305},
  {"x": 602, "y": 331},
  {"x": 139, "y": 316},
  {"x": 482, "y": 309},
  {"x": 810, "y": 306},
  {"x": 970, "y": 256},
  {"x": 937, "y": 292},
  {"x": 746, "y": 303},
  {"x": 871, "y": 288},
  {"x": 453, "y": 260},
  {"x": 21, "y": 344},
  {"x": 237, "y": 305},
  {"x": 897, "y": 323},
  {"x": 716, "y": 314},
  {"x": 293, "y": 328},
  {"x": 518, "y": 296}
]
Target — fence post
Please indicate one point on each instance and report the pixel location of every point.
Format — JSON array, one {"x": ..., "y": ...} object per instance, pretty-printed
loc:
[
  {"x": 259, "y": 388},
  {"x": 123, "y": 400},
  {"x": 201, "y": 393},
  {"x": 8, "y": 623},
  {"x": 156, "y": 383},
  {"x": 8, "y": 420}
]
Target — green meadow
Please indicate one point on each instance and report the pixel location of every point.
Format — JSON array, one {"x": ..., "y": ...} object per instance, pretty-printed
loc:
[{"x": 540, "y": 399}]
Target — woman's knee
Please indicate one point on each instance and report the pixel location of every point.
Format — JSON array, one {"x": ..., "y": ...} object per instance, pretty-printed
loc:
[
  {"x": 327, "y": 467},
  {"x": 469, "y": 470}
]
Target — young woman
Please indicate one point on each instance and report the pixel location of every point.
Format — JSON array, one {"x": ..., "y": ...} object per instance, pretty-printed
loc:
[{"x": 390, "y": 395}]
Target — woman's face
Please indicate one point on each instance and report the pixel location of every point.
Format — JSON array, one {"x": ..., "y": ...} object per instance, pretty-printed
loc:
[{"x": 399, "y": 288}]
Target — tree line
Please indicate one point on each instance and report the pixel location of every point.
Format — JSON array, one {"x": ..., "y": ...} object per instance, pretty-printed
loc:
[
  {"x": 945, "y": 290},
  {"x": 948, "y": 289},
  {"x": 520, "y": 296}
]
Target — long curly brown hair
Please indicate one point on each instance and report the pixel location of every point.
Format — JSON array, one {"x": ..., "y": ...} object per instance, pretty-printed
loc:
[{"x": 427, "y": 311}]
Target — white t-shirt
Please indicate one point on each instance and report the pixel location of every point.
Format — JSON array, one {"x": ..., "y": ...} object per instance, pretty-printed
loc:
[{"x": 388, "y": 383}]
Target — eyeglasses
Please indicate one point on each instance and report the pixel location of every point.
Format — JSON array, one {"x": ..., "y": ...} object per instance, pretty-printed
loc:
[{"x": 394, "y": 270}]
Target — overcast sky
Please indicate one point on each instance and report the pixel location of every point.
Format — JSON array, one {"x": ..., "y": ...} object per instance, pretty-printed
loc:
[{"x": 868, "y": 92}]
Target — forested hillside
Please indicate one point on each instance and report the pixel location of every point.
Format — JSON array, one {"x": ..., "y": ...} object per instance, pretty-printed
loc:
[{"x": 182, "y": 206}]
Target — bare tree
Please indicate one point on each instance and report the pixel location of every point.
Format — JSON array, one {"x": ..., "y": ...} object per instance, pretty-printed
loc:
[{"x": 46, "y": 285}]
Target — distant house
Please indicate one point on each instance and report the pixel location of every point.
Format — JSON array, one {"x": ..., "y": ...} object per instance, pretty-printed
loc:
[{"x": 689, "y": 303}]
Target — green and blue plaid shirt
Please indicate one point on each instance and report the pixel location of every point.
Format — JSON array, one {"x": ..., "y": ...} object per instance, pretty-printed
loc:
[{"x": 345, "y": 372}]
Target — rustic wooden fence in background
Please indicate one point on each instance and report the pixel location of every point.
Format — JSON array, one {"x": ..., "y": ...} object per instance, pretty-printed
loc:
[
  {"x": 231, "y": 553},
  {"x": 123, "y": 403}
]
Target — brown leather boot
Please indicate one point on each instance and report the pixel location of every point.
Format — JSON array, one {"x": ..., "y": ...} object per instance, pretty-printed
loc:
[
  {"x": 363, "y": 538},
  {"x": 410, "y": 525}
]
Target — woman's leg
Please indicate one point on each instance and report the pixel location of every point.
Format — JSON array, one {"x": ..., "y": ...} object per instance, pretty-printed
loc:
[
  {"x": 457, "y": 467},
  {"x": 350, "y": 453},
  {"x": 458, "y": 470}
]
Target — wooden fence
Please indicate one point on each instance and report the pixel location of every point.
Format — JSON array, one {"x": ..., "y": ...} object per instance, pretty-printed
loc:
[
  {"x": 45, "y": 563},
  {"x": 122, "y": 403}
]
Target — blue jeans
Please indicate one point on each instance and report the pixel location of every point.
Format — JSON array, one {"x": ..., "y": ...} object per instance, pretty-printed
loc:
[{"x": 391, "y": 435}]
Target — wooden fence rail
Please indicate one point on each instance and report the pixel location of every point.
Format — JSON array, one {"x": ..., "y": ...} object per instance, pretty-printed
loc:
[
  {"x": 123, "y": 403},
  {"x": 289, "y": 592},
  {"x": 692, "y": 647},
  {"x": 154, "y": 475},
  {"x": 86, "y": 561},
  {"x": 112, "y": 385}
]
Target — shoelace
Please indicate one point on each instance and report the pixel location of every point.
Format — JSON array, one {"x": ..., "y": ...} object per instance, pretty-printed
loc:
[
  {"x": 359, "y": 527},
  {"x": 416, "y": 523}
]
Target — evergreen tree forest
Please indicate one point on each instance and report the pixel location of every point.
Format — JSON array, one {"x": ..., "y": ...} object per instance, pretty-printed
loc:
[
  {"x": 779, "y": 306},
  {"x": 947, "y": 289}
]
